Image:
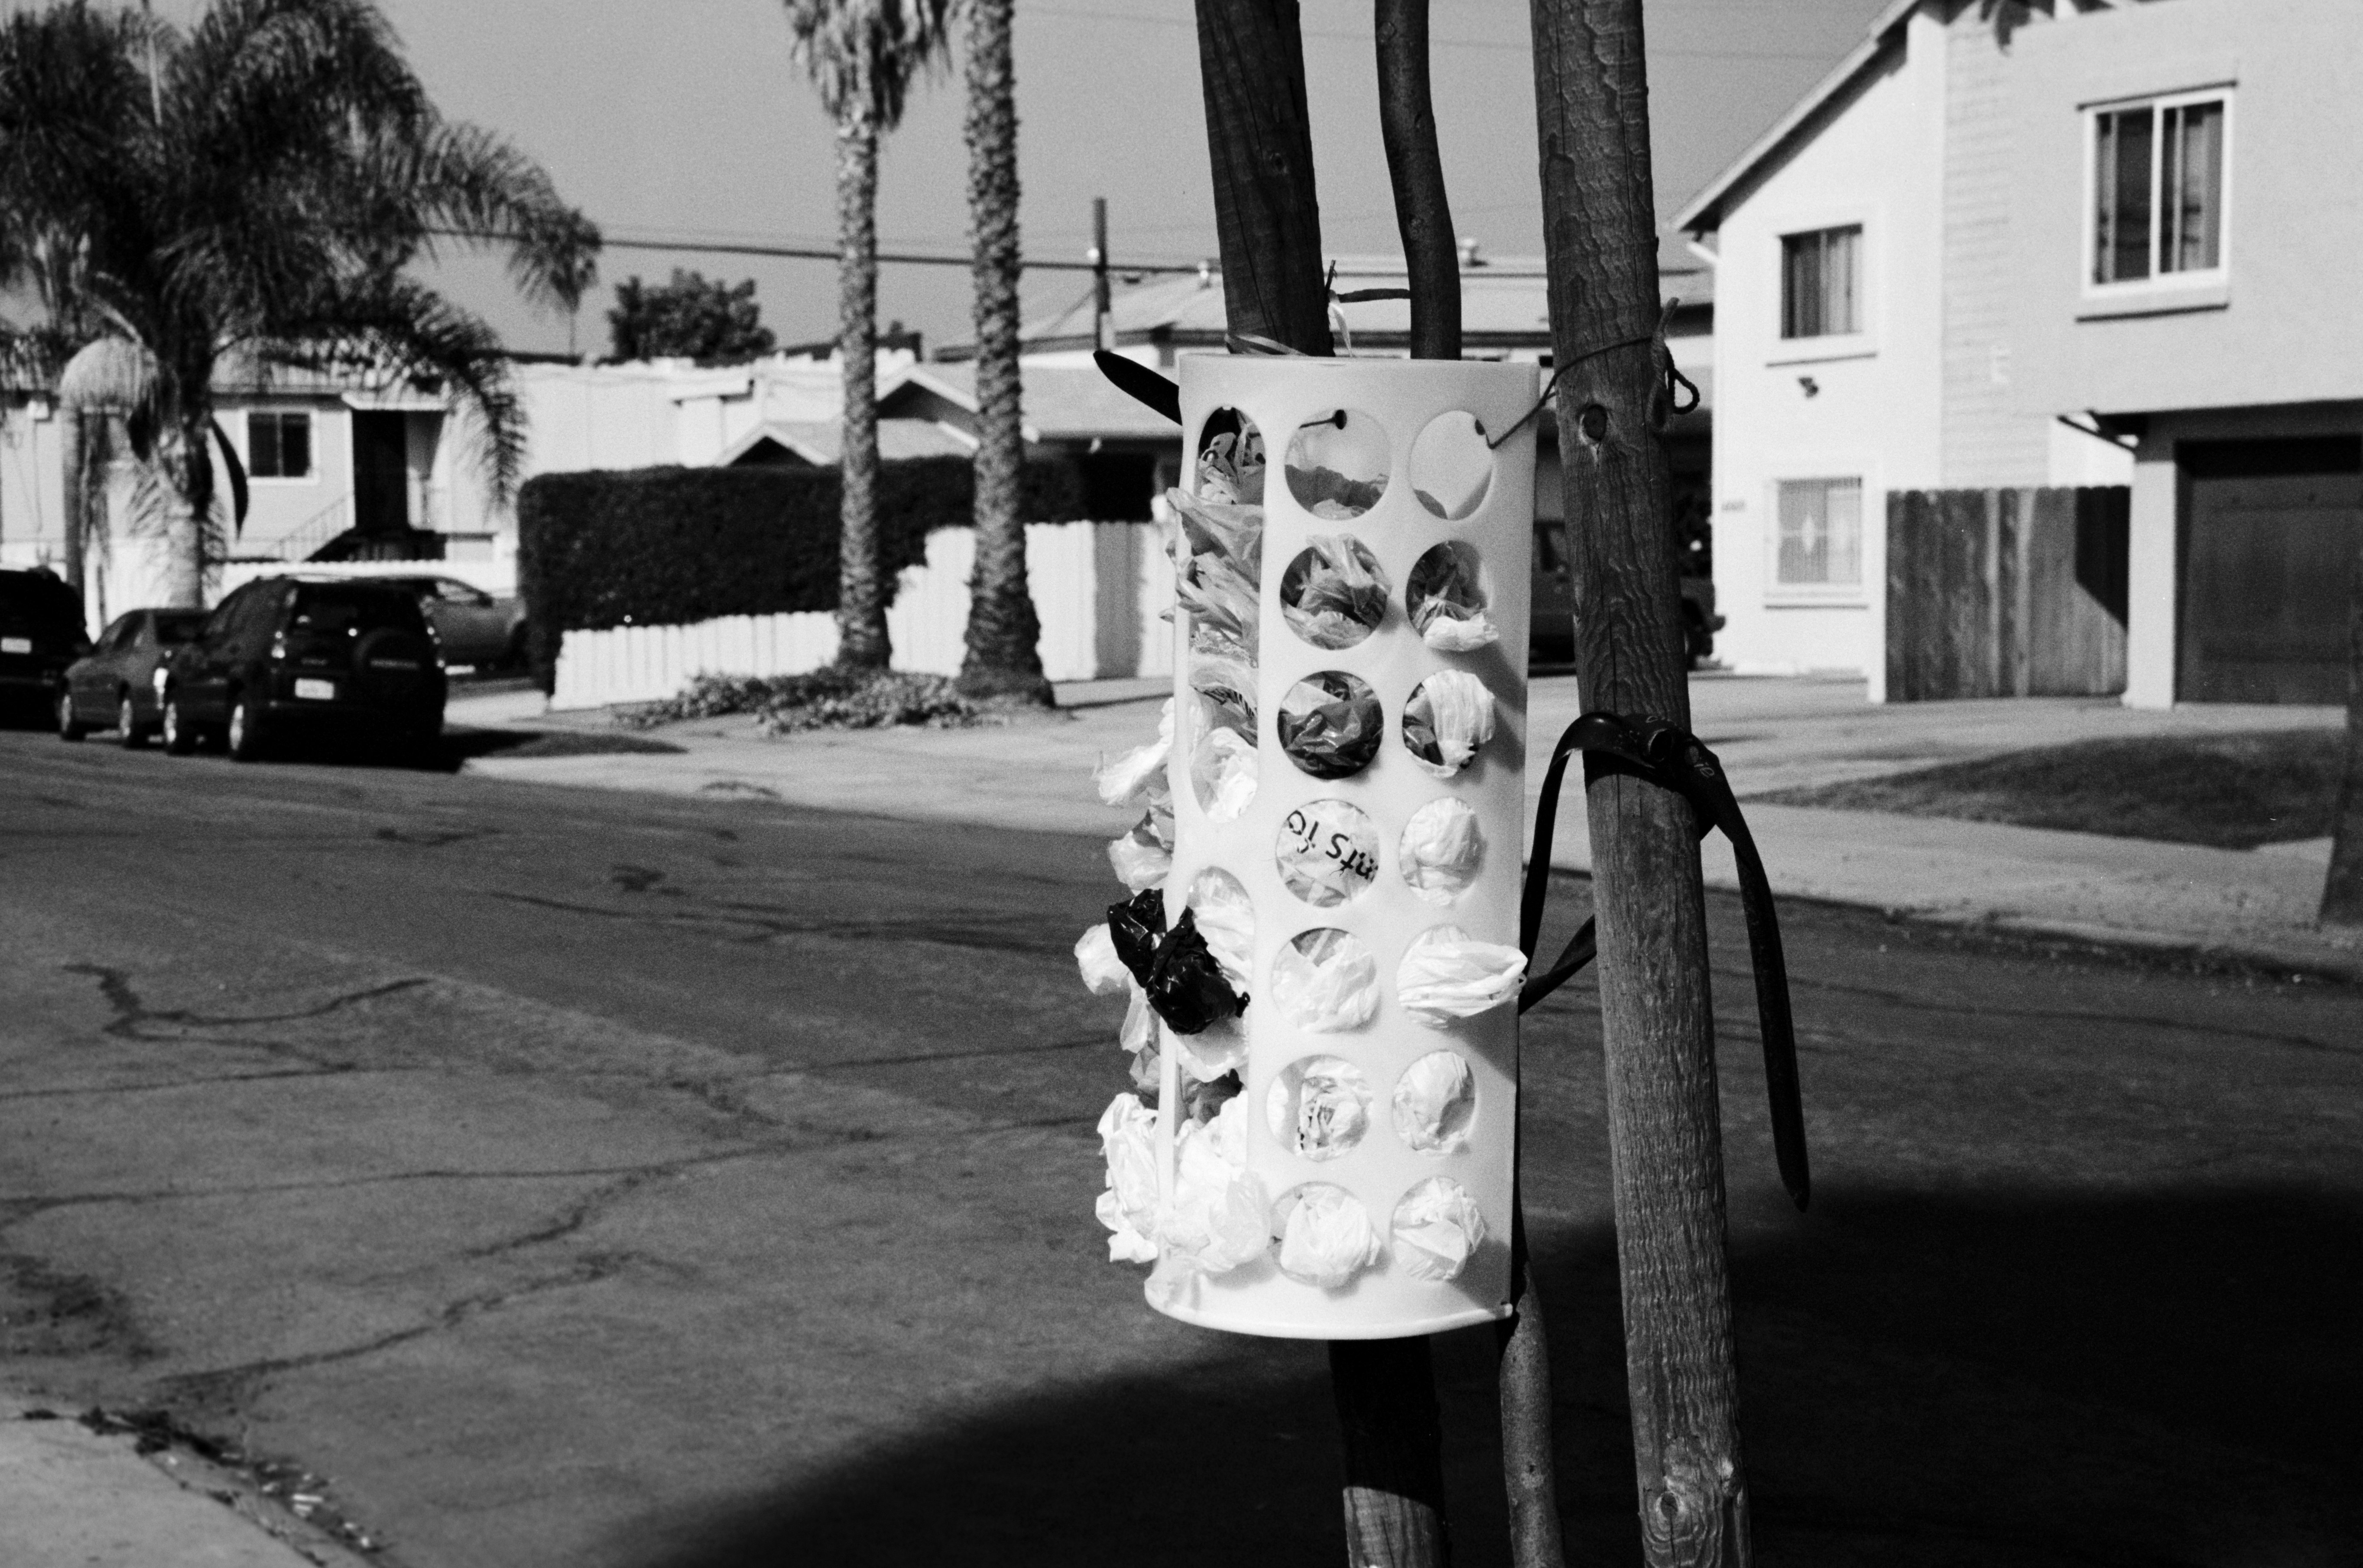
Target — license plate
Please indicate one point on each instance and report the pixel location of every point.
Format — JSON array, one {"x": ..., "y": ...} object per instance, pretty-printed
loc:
[
  {"x": 15, "y": 645},
  {"x": 317, "y": 691}
]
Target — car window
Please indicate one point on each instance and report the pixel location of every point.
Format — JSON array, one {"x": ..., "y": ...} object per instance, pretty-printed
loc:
[
  {"x": 36, "y": 604},
  {"x": 458, "y": 593},
  {"x": 226, "y": 615},
  {"x": 336, "y": 609},
  {"x": 121, "y": 633},
  {"x": 174, "y": 626}
]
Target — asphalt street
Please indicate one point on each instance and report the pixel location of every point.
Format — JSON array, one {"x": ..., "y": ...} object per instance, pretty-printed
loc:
[{"x": 575, "y": 1177}]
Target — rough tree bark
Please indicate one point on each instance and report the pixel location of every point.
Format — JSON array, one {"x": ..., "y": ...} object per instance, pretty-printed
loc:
[
  {"x": 2342, "y": 892},
  {"x": 1002, "y": 630},
  {"x": 1600, "y": 236},
  {"x": 72, "y": 437},
  {"x": 1259, "y": 139},
  {"x": 861, "y": 641},
  {"x": 1416, "y": 167},
  {"x": 191, "y": 520}
]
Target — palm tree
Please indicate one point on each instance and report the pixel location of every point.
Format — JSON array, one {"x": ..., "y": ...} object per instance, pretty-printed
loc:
[
  {"x": 864, "y": 55},
  {"x": 1002, "y": 630},
  {"x": 249, "y": 192}
]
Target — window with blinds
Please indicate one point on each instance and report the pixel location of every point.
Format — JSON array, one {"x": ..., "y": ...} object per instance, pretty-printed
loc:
[
  {"x": 1820, "y": 543},
  {"x": 279, "y": 446},
  {"x": 1821, "y": 282},
  {"x": 2158, "y": 189}
]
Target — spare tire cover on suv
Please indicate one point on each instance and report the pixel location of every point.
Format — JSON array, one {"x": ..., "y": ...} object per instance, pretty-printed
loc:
[{"x": 392, "y": 666}]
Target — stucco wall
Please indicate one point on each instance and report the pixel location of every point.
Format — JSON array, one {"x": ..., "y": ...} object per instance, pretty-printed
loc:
[{"x": 1872, "y": 407}]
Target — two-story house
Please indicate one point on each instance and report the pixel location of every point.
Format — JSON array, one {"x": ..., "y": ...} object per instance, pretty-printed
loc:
[{"x": 2105, "y": 246}]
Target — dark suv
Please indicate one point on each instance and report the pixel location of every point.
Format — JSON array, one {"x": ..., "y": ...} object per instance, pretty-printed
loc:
[
  {"x": 282, "y": 655},
  {"x": 42, "y": 632}
]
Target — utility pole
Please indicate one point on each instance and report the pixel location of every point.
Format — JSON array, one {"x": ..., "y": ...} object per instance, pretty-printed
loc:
[
  {"x": 1657, "y": 1018},
  {"x": 1103, "y": 308}
]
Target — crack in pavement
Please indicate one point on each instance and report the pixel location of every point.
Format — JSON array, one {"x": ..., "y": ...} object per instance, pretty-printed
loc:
[
  {"x": 131, "y": 1013},
  {"x": 772, "y": 921}
]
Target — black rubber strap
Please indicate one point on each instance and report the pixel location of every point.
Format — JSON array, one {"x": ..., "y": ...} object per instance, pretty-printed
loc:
[{"x": 1673, "y": 758}]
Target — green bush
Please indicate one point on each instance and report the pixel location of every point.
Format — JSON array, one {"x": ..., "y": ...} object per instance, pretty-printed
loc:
[{"x": 674, "y": 546}]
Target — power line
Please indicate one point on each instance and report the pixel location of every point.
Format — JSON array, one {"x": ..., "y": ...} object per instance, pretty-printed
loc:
[
  {"x": 1493, "y": 46},
  {"x": 824, "y": 253}
]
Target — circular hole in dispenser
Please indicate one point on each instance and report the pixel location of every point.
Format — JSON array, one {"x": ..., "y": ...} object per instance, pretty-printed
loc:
[
  {"x": 1337, "y": 463},
  {"x": 1434, "y": 1101},
  {"x": 1445, "y": 600},
  {"x": 1318, "y": 1107},
  {"x": 1448, "y": 721},
  {"x": 1435, "y": 1227},
  {"x": 1328, "y": 851},
  {"x": 1331, "y": 724},
  {"x": 1229, "y": 460},
  {"x": 1451, "y": 466},
  {"x": 1325, "y": 1234},
  {"x": 1441, "y": 850},
  {"x": 1334, "y": 594},
  {"x": 1222, "y": 767},
  {"x": 1325, "y": 981}
]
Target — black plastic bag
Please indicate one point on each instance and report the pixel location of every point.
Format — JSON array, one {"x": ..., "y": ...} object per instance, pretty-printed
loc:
[
  {"x": 1186, "y": 985},
  {"x": 1137, "y": 925}
]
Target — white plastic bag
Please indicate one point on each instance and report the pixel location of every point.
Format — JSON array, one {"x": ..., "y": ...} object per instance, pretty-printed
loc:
[
  {"x": 1326, "y": 1237},
  {"x": 1128, "y": 1205},
  {"x": 1226, "y": 917},
  {"x": 1447, "y": 975},
  {"x": 1441, "y": 848},
  {"x": 1450, "y": 634},
  {"x": 1434, "y": 1101},
  {"x": 1139, "y": 861},
  {"x": 1325, "y": 981},
  {"x": 1227, "y": 772},
  {"x": 1447, "y": 719},
  {"x": 1215, "y": 1222},
  {"x": 1130, "y": 776},
  {"x": 1328, "y": 851},
  {"x": 1436, "y": 1225},
  {"x": 1319, "y": 1107},
  {"x": 1104, "y": 972}
]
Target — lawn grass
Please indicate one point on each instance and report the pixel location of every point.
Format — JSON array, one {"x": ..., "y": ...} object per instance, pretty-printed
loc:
[{"x": 2233, "y": 791}]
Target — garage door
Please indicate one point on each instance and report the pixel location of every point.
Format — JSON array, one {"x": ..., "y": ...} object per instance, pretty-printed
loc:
[{"x": 2271, "y": 533}]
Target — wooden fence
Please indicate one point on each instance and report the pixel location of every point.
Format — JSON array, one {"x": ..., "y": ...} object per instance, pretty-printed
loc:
[{"x": 2006, "y": 593}]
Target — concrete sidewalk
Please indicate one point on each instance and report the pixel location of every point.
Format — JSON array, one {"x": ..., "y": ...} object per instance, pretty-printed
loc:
[
  {"x": 1771, "y": 735},
  {"x": 72, "y": 1497}
]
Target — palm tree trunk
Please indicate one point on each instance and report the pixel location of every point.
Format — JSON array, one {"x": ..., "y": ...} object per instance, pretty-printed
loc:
[
  {"x": 76, "y": 460},
  {"x": 2341, "y": 893},
  {"x": 1656, "y": 1014},
  {"x": 1001, "y": 628},
  {"x": 862, "y": 641},
  {"x": 191, "y": 470}
]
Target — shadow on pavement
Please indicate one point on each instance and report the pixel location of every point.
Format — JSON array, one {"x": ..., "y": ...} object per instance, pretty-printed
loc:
[{"x": 2019, "y": 1379}]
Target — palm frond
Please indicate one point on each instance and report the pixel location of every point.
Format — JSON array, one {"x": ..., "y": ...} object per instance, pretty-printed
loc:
[{"x": 864, "y": 55}]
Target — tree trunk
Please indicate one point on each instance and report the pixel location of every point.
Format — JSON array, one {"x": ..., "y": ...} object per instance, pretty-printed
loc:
[
  {"x": 1423, "y": 215},
  {"x": 1665, "y": 1135},
  {"x": 76, "y": 460},
  {"x": 1530, "y": 1468},
  {"x": 1260, "y": 141},
  {"x": 190, "y": 463},
  {"x": 1003, "y": 632},
  {"x": 1385, "y": 1391},
  {"x": 862, "y": 641},
  {"x": 2342, "y": 892}
]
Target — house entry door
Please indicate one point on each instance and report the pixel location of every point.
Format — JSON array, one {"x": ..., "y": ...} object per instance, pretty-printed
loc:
[
  {"x": 381, "y": 474},
  {"x": 2271, "y": 531}
]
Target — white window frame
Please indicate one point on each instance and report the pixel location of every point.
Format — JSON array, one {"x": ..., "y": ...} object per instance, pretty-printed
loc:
[
  {"x": 312, "y": 418},
  {"x": 2190, "y": 287},
  {"x": 1861, "y": 343},
  {"x": 1835, "y": 596}
]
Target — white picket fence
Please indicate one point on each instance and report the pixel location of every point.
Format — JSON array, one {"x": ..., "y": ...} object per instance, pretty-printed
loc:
[{"x": 1099, "y": 590}]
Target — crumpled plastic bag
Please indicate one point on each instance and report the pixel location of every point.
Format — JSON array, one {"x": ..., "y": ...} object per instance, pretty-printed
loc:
[
  {"x": 1221, "y": 673},
  {"x": 1446, "y": 719},
  {"x": 1104, "y": 972},
  {"x": 1333, "y": 595},
  {"x": 1320, "y": 1106},
  {"x": 1127, "y": 1207},
  {"x": 1447, "y": 975},
  {"x": 1135, "y": 927},
  {"x": 1437, "y": 1226},
  {"x": 1447, "y": 609},
  {"x": 1434, "y": 1101},
  {"x": 1140, "y": 860},
  {"x": 1225, "y": 771},
  {"x": 1187, "y": 985},
  {"x": 1326, "y": 1237},
  {"x": 1138, "y": 772},
  {"x": 1226, "y": 917},
  {"x": 1329, "y": 495},
  {"x": 1330, "y": 725},
  {"x": 1328, "y": 851},
  {"x": 1217, "y": 553},
  {"x": 1231, "y": 469},
  {"x": 1325, "y": 981},
  {"x": 1215, "y": 1222},
  {"x": 1441, "y": 849}
]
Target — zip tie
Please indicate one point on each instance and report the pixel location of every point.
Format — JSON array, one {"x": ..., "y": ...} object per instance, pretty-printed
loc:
[{"x": 1665, "y": 364}]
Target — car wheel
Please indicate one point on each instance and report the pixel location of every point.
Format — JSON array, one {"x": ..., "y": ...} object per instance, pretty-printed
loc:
[
  {"x": 129, "y": 734},
  {"x": 243, "y": 738},
  {"x": 69, "y": 727},
  {"x": 180, "y": 735}
]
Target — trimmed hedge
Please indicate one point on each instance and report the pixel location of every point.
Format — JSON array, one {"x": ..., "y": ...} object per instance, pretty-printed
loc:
[{"x": 673, "y": 546}]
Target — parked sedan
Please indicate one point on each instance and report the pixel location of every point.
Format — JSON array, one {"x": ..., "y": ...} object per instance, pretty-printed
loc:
[
  {"x": 283, "y": 656},
  {"x": 115, "y": 685},
  {"x": 42, "y": 632},
  {"x": 474, "y": 628}
]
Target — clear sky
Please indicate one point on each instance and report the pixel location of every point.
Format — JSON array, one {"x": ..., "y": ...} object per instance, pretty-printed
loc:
[{"x": 687, "y": 118}]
